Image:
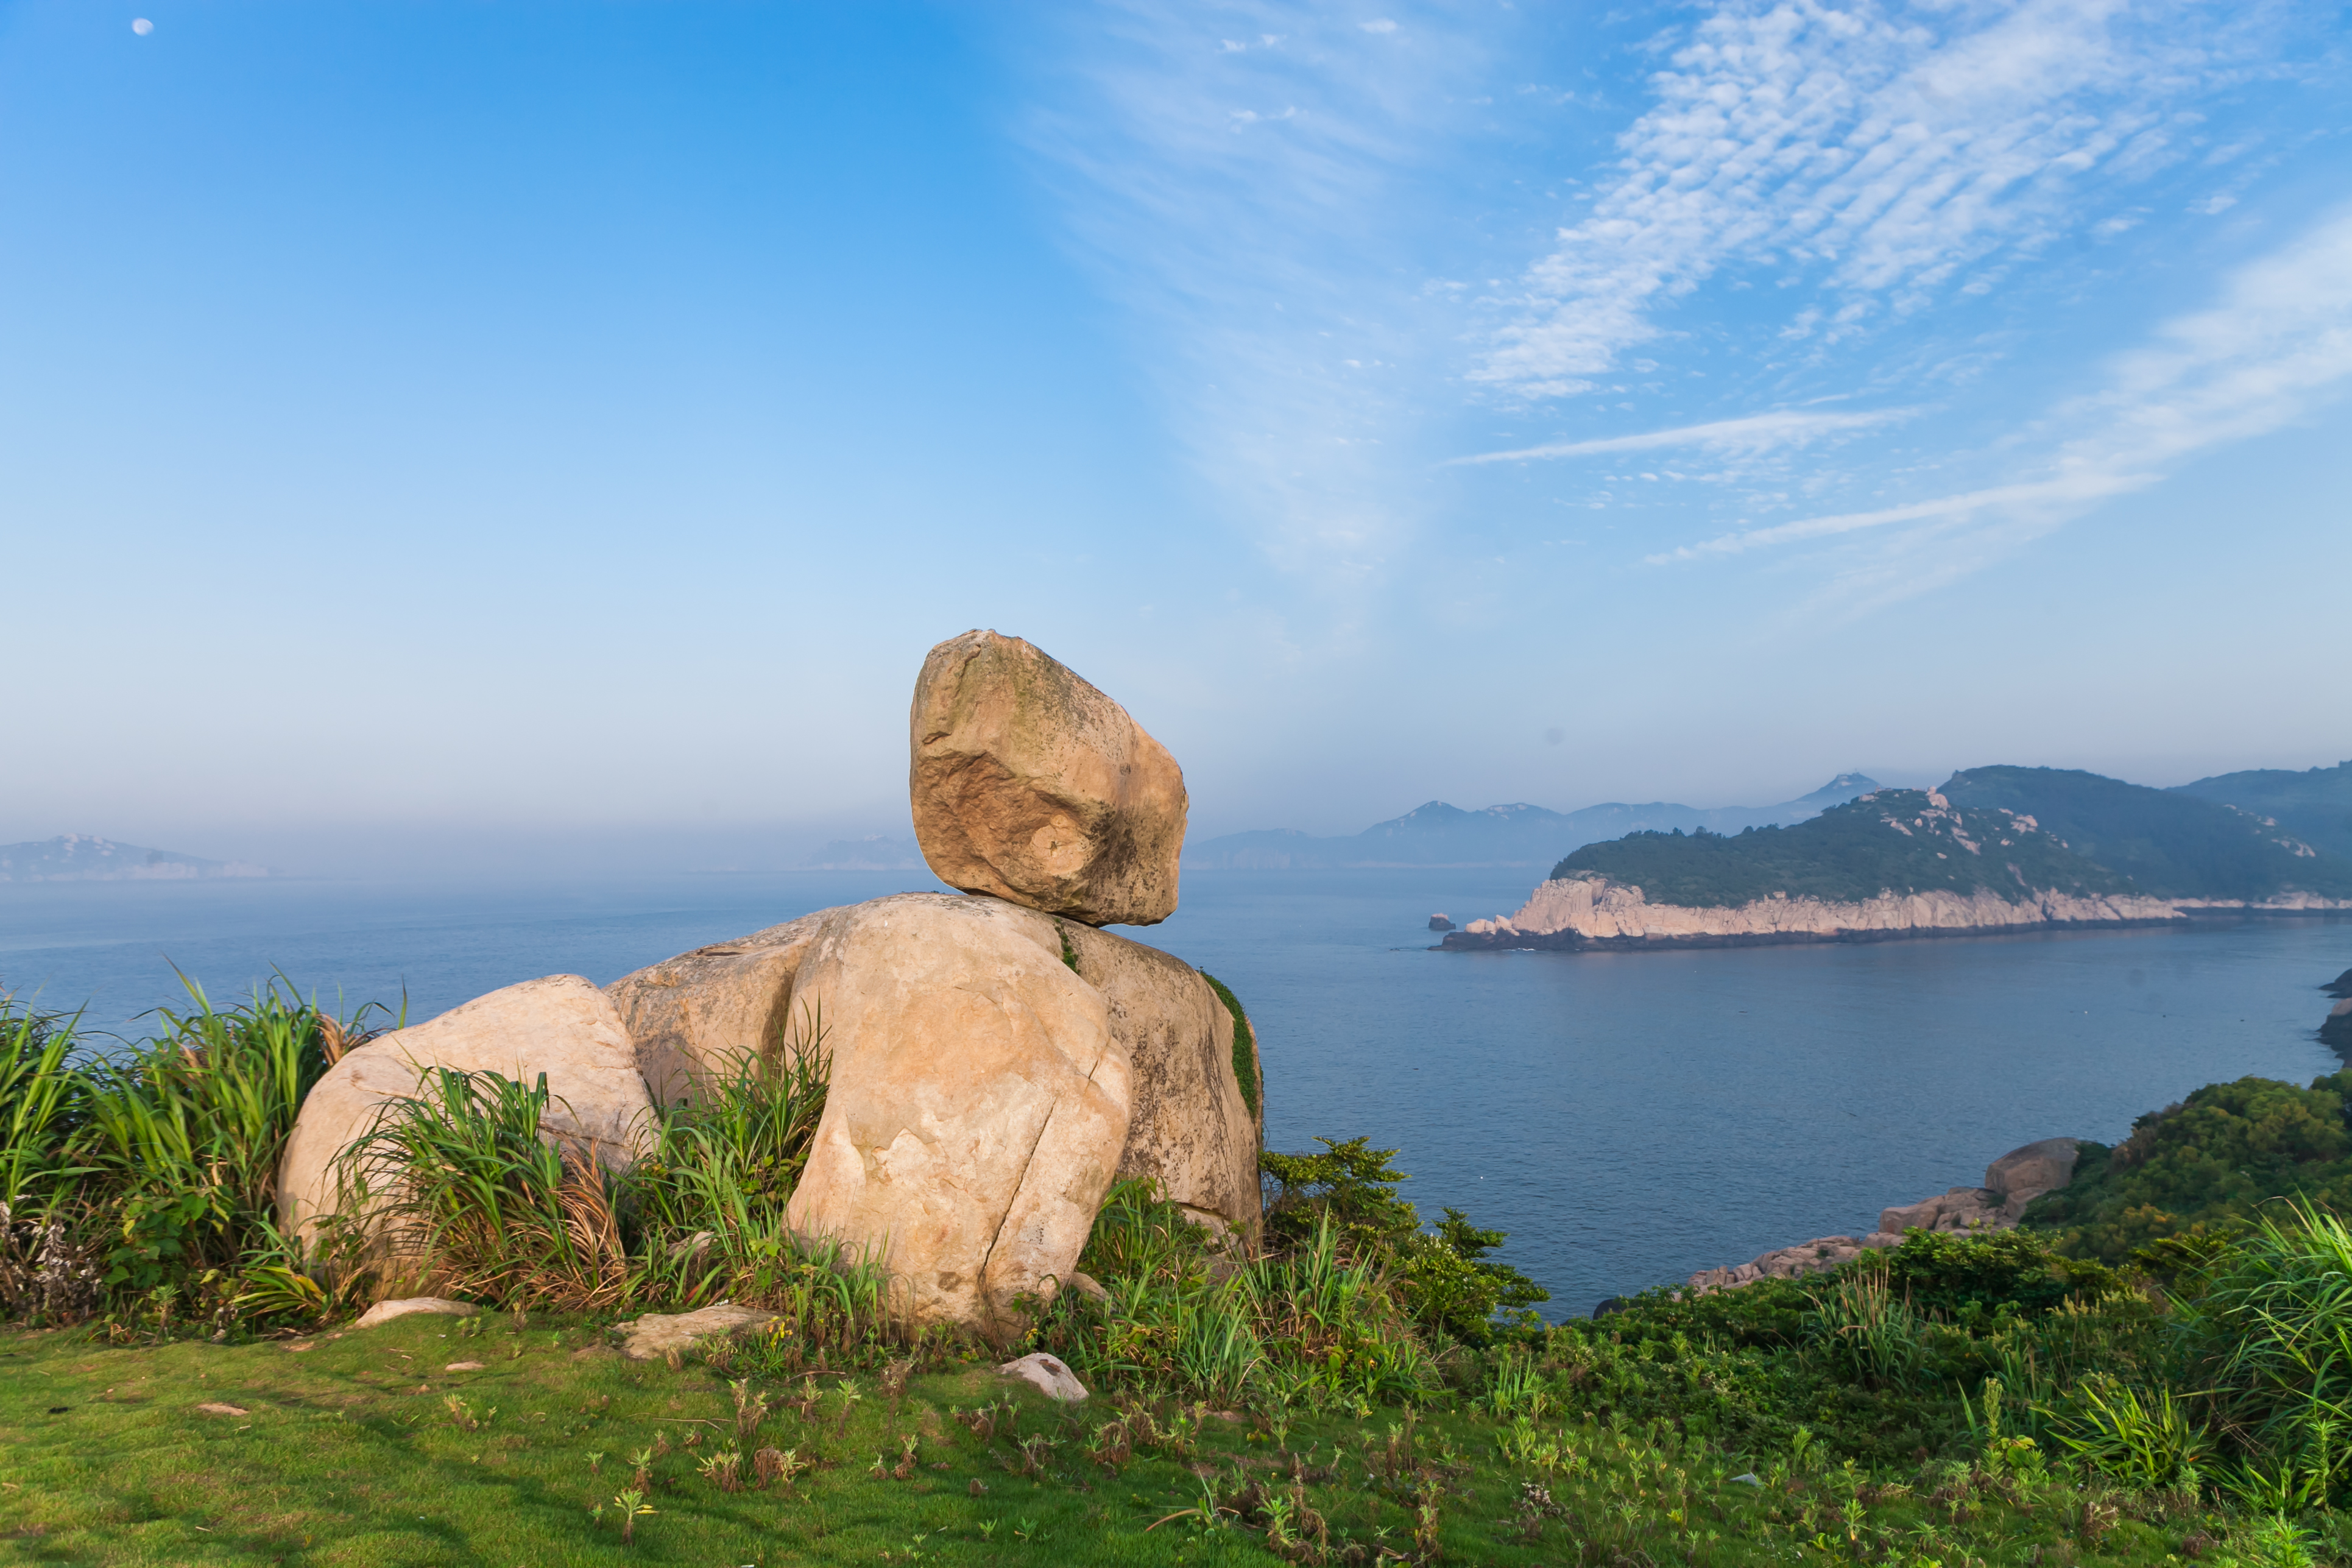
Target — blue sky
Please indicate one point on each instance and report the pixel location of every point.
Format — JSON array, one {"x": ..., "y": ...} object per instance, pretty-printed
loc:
[{"x": 542, "y": 420}]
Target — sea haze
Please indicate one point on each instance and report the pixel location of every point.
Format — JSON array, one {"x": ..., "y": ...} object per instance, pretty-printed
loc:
[{"x": 1628, "y": 1118}]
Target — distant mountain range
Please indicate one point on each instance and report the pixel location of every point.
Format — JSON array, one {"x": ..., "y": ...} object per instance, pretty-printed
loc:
[
  {"x": 78, "y": 857},
  {"x": 1442, "y": 834}
]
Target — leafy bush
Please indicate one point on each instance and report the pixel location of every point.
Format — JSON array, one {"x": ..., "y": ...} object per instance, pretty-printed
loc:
[
  {"x": 1447, "y": 1282},
  {"x": 2201, "y": 1168}
]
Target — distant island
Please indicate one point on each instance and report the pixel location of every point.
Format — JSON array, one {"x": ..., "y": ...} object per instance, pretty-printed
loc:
[
  {"x": 1437, "y": 834},
  {"x": 79, "y": 857},
  {"x": 1994, "y": 849}
]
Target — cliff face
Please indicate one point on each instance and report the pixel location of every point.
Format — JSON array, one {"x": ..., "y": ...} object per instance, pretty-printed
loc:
[{"x": 1575, "y": 912}]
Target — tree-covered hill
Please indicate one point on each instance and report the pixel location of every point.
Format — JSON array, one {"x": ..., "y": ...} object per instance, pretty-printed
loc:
[
  {"x": 2161, "y": 842},
  {"x": 1896, "y": 840},
  {"x": 2314, "y": 805}
]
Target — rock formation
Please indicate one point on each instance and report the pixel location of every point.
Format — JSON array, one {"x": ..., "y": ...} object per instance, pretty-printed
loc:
[
  {"x": 1030, "y": 784},
  {"x": 703, "y": 1012},
  {"x": 2336, "y": 1029},
  {"x": 997, "y": 1061},
  {"x": 1190, "y": 1129},
  {"x": 977, "y": 1104},
  {"x": 561, "y": 1027},
  {"x": 2012, "y": 1182}
]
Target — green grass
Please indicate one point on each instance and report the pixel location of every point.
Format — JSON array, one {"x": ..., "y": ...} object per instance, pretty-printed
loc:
[{"x": 351, "y": 1452}]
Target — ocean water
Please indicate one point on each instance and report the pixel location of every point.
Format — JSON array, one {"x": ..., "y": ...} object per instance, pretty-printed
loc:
[{"x": 1629, "y": 1118}]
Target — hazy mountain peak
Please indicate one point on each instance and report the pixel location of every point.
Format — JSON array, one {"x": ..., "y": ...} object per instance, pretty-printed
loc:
[{"x": 86, "y": 857}]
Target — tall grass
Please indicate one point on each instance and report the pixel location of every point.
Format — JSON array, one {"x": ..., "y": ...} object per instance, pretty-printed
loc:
[
  {"x": 2268, "y": 1331},
  {"x": 1305, "y": 1324},
  {"x": 463, "y": 1187},
  {"x": 141, "y": 1179}
]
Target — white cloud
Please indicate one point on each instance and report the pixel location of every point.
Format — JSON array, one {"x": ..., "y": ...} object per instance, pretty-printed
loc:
[
  {"x": 1756, "y": 433},
  {"x": 2276, "y": 344},
  {"x": 1886, "y": 150},
  {"x": 1382, "y": 26}
]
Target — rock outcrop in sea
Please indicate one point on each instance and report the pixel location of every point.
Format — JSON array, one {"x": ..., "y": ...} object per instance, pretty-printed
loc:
[
  {"x": 2010, "y": 1183},
  {"x": 995, "y": 1061}
]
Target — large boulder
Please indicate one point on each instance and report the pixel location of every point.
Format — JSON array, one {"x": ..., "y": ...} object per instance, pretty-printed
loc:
[
  {"x": 978, "y": 1105},
  {"x": 1031, "y": 785},
  {"x": 703, "y": 1012},
  {"x": 2025, "y": 1174},
  {"x": 1190, "y": 1127},
  {"x": 561, "y": 1026}
]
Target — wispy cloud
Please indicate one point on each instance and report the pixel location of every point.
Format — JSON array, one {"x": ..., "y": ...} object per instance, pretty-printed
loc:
[
  {"x": 1756, "y": 433},
  {"x": 1885, "y": 152},
  {"x": 2276, "y": 344}
]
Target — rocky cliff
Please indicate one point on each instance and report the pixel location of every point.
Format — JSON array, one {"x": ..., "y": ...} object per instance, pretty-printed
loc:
[{"x": 1591, "y": 910}]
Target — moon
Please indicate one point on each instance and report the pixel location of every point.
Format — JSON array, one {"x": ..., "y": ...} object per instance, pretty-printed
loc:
[{"x": 143, "y": 27}]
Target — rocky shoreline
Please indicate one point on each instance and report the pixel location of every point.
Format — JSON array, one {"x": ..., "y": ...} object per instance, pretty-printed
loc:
[
  {"x": 1593, "y": 912},
  {"x": 2010, "y": 1183}
]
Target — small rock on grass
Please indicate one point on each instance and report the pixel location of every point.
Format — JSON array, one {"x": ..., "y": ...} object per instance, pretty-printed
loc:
[
  {"x": 656, "y": 1335},
  {"x": 1048, "y": 1375},
  {"x": 383, "y": 1312},
  {"x": 463, "y": 1366},
  {"x": 214, "y": 1407}
]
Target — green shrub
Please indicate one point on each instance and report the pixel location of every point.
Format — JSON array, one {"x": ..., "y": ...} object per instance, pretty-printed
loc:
[
  {"x": 1448, "y": 1283},
  {"x": 2201, "y": 1168}
]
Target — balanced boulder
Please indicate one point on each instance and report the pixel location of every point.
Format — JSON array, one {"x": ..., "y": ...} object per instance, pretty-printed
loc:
[
  {"x": 1030, "y": 784},
  {"x": 1190, "y": 1127},
  {"x": 703, "y": 1012},
  {"x": 978, "y": 1103},
  {"x": 561, "y": 1027}
]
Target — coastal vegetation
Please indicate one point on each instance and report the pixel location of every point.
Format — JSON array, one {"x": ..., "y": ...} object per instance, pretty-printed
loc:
[
  {"x": 1892, "y": 839},
  {"x": 2163, "y": 843},
  {"x": 1365, "y": 1388},
  {"x": 2315, "y": 805},
  {"x": 2194, "y": 1174},
  {"x": 2005, "y": 830}
]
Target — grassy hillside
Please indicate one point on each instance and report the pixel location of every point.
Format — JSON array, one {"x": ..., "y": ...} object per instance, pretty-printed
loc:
[
  {"x": 1893, "y": 839},
  {"x": 2314, "y": 805},
  {"x": 2161, "y": 842}
]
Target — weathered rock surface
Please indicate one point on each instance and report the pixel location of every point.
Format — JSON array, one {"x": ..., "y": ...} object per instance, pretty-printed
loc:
[
  {"x": 1815, "y": 1257},
  {"x": 979, "y": 1103},
  {"x": 560, "y": 1025},
  {"x": 1596, "y": 910},
  {"x": 2025, "y": 1174},
  {"x": 385, "y": 1312},
  {"x": 2012, "y": 1182},
  {"x": 1029, "y": 784},
  {"x": 654, "y": 1335},
  {"x": 1959, "y": 1208},
  {"x": 1440, "y": 922},
  {"x": 2336, "y": 1029},
  {"x": 699, "y": 1014},
  {"x": 1047, "y": 1375},
  {"x": 1188, "y": 1128}
]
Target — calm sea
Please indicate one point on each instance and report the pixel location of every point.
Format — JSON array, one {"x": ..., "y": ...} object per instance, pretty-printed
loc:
[{"x": 1628, "y": 1118}]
